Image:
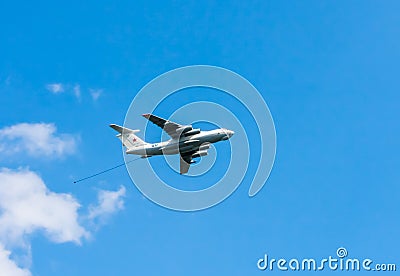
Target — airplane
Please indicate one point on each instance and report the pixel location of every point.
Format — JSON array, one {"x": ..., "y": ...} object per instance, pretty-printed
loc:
[{"x": 190, "y": 143}]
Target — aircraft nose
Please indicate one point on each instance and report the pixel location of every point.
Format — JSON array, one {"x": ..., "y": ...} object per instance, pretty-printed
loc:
[{"x": 231, "y": 132}]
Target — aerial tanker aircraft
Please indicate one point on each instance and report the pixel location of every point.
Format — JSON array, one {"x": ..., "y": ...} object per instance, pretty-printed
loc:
[{"x": 190, "y": 143}]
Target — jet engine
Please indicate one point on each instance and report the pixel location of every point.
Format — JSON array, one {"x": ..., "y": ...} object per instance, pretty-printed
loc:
[
  {"x": 199, "y": 153},
  {"x": 192, "y": 132},
  {"x": 184, "y": 129}
]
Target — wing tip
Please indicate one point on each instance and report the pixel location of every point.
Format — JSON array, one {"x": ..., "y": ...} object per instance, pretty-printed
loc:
[{"x": 114, "y": 126}]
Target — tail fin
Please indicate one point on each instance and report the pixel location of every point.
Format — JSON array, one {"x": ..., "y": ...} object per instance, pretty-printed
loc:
[{"x": 128, "y": 137}]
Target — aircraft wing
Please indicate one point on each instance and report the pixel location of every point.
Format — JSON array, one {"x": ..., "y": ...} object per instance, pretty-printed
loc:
[
  {"x": 185, "y": 162},
  {"x": 173, "y": 129}
]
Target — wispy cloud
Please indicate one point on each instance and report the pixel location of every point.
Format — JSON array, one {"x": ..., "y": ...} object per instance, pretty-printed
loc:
[
  {"x": 95, "y": 93},
  {"x": 38, "y": 139},
  {"x": 109, "y": 202},
  {"x": 55, "y": 88},
  {"x": 77, "y": 91}
]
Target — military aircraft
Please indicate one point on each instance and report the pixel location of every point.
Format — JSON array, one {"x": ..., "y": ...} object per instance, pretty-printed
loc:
[{"x": 185, "y": 140}]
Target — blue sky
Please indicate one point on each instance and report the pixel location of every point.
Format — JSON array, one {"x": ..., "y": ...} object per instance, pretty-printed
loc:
[{"x": 327, "y": 69}]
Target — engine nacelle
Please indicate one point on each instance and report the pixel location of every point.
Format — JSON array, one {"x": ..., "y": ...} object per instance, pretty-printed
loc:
[
  {"x": 184, "y": 129},
  {"x": 192, "y": 132},
  {"x": 204, "y": 146},
  {"x": 199, "y": 153}
]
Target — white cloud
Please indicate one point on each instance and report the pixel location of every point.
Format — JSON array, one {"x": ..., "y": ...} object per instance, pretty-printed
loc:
[
  {"x": 96, "y": 93},
  {"x": 39, "y": 139},
  {"x": 109, "y": 202},
  {"x": 77, "y": 91},
  {"x": 27, "y": 206},
  {"x": 55, "y": 88},
  {"x": 8, "y": 267}
]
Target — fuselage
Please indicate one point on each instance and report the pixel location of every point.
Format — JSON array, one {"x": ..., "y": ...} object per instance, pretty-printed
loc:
[{"x": 183, "y": 144}]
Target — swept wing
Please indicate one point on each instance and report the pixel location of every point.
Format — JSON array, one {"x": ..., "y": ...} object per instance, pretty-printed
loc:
[{"x": 173, "y": 129}]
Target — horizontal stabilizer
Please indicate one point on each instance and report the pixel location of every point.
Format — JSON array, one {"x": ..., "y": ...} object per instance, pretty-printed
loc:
[
  {"x": 121, "y": 129},
  {"x": 128, "y": 137}
]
